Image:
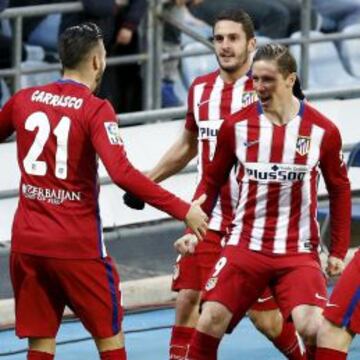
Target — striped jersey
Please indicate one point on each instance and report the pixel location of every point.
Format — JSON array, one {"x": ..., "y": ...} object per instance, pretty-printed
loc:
[
  {"x": 210, "y": 100},
  {"x": 279, "y": 168}
]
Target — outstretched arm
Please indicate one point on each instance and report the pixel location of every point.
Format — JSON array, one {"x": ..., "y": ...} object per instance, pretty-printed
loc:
[
  {"x": 337, "y": 183},
  {"x": 108, "y": 145}
]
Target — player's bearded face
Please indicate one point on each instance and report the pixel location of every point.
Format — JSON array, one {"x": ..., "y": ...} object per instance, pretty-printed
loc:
[
  {"x": 99, "y": 77},
  {"x": 231, "y": 45},
  {"x": 101, "y": 60}
]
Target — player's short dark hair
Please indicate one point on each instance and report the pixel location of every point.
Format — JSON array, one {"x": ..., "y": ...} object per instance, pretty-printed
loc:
[
  {"x": 76, "y": 42},
  {"x": 239, "y": 16},
  {"x": 285, "y": 61},
  {"x": 280, "y": 54}
]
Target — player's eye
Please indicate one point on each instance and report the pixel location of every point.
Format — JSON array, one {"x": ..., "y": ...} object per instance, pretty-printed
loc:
[
  {"x": 233, "y": 37},
  {"x": 218, "y": 38}
]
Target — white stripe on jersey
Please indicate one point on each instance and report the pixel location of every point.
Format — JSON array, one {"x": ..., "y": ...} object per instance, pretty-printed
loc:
[
  {"x": 237, "y": 222},
  {"x": 215, "y": 99},
  {"x": 237, "y": 97},
  {"x": 240, "y": 139},
  {"x": 214, "y": 110},
  {"x": 284, "y": 207},
  {"x": 265, "y": 138},
  {"x": 317, "y": 134},
  {"x": 198, "y": 91}
]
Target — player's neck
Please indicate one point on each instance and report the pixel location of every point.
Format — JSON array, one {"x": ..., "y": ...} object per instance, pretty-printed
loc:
[
  {"x": 231, "y": 77},
  {"x": 77, "y": 77},
  {"x": 282, "y": 113}
]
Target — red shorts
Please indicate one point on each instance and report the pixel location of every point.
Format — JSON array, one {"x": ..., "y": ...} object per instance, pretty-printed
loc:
[
  {"x": 44, "y": 286},
  {"x": 192, "y": 271},
  {"x": 343, "y": 308},
  {"x": 240, "y": 277}
]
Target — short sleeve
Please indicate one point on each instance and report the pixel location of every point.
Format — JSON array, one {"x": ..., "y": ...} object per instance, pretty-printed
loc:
[{"x": 190, "y": 122}]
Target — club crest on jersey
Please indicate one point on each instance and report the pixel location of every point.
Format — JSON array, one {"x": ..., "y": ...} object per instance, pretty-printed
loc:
[
  {"x": 211, "y": 283},
  {"x": 303, "y": 145},
  {"x": 248, "y": 98},
  {"x": 112, "y": 131},
  {"x": 176, "y": 272}
]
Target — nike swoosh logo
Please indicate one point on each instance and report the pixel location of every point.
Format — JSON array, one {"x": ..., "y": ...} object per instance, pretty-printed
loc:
[
  {"x": 262, "y": 300},
  {"x": 203, "y": 102},
  {"x": 251, "y": 143},
  {"x": 318, "y": 296},
  {"x": 332, "y": 305}
]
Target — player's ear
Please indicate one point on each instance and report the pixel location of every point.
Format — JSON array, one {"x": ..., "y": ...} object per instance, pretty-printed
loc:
[
  {"x": 96, "y": 63},
  {"x": 252, "y": 45}
]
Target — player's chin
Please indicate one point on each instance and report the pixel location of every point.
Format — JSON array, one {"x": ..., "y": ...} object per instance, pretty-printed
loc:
[{"x": 228, "y": 66}]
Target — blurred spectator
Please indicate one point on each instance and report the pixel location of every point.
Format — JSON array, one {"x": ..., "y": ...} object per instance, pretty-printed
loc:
[
  {"x": 119, "y": 20},
  {"x": 172, "y": 41},
  {"x": 270, "y": 18},
  {"x": 100, "y": 12},
  {"x": 3, "y": 4},
  {"x": 6, "y": 46},
  {"x": 336, "y": 15},
  {"x": 123, "y": 84},
  {"x": 29, "y": 23},
  {"x": 275, "y": 19}
]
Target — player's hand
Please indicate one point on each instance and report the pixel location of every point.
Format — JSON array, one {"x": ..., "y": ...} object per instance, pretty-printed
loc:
[
  {"x": 335, "y": 266},
  {"x": 124, "y": 36},
  {"x": 196, "y": 219},
  {"x": 133, "y": 202},
  {"x": 186, "y": 244}
]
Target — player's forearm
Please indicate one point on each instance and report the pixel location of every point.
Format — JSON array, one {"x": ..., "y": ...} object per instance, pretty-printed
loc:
[
  {"x": 340, "y": 220},
  {"x": 172, "y": 162},
  {"x": 133, "y": 181}
]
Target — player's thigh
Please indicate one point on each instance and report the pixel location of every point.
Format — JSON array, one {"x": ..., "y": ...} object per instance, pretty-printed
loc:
[
  {"x": 300, "y": 285},
  {"x": 236, "y": 281},
  {"x": 38, "y": 296},
  {"x": 93, "y": 293},
  {"x": 343, "y": 308}
]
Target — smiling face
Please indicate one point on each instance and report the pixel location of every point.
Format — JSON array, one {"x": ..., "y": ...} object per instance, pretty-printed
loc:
[
  {"x": 232, "y": 48},
  {"x": 272, "y": 86}
]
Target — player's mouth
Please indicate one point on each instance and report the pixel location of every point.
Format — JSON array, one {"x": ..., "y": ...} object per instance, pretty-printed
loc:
[
  {"x": 264, "y": 100},
  {"x": 226, "y": 57}
]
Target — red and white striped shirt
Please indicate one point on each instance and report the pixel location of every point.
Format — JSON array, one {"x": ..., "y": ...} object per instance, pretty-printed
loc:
[
  {"x": 210, "y": 100},
  {"x": 278, "y": 176}
]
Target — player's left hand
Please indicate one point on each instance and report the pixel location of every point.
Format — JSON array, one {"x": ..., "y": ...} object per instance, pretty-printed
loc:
[
  {"x": 186, "y": 244},
  {"x": 124, "y": 36},
  {"x": 133, "y": 202},
  {"x": 335, "y": 266}
]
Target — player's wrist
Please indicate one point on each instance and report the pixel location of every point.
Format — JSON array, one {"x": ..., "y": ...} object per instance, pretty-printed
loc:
[{"x": 337, "y": 255}]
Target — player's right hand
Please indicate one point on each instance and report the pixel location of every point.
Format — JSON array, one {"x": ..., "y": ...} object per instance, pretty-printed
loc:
[
  {"x": 186, "y": 244},
  {"x": 335, "y": 266},
  {"x": 196, "y": 219},
  {"x": 133, "y": 202}
]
